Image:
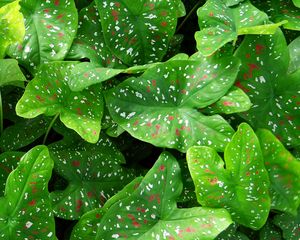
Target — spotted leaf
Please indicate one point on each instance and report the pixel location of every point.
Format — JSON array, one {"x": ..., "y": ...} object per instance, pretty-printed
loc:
[
  {"x": 151, "y": 212},
  {"x": 160, "y": 106},
  {"x": 275, "y": 93},
  {"x": 8, "y": 162},
  {"x": 270, "y": 231},
  {"x": 12, "y": 28},
  {"x": 48, "y": 93},
  {"x": 50, "y": 29},
  {"x": 284, "y": 173},
  {"x": 221, "y": 24},
  {"x": 139, "y": 33},
  {"x": 294, "y": 49},
  {"x": 94, "y": 173},
  {"x": 232, "y": 233},
  {"x": 9, "y": 67},
  {"x": 26, "y": 208},
  {"x": 242, "y": 187}
]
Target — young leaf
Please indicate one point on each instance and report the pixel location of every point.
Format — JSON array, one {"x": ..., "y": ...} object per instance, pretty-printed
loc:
[
  {"x": 151, "y": 212},
  {"x": 94, "y": 173},
  {"x": 12, "y": 27},
  {"x": 294, "y": 49},
  {"x": 284, "y": 173},
  {"x": 48, "y": 93},
  {"x": 139, "y": 33},
  {"x": 242, "y": 187},
  {"x": 50, "y": 29},
  {"x": 159, "y": 107},
  {"x": 10, "y": 73},
  {"x": 221, "y": 24},
  {"x": 26, "y": 208}
]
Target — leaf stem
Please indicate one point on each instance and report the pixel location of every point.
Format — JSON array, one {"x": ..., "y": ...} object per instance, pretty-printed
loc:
[
  {"x": 49, "y": 128},
  {"x": 1, "y": 114},
  {"x": 188, "y": 16}
]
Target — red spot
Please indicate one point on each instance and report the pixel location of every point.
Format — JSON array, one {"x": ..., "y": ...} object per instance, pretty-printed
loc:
[
  {"x": 56, "y": 2},
  {"x": 239, "y": 85},
  {"x": 211, "y": 14},
  {"x": 117, "y": 4},
  {"x": 86, "y": 75},
  {"x": 257, "y": 172},
  {"x": 227, "y": 103},
  {"x": 204, "y": 77},
  {"x": 248, "y": 55},
  {"x": 78, "y": 111},
  {"x": 163, "y": 13},
  {"x": 145, "y": 221},
  {"x": 32, "y": 203},
  {"x": 149, "y": 124},
  {"x": 62, "y": 209},
  {"x": 49, "y": 26},
  {"x": 157, "y": 127},
  {"x": 46, "y": 10},
  {"x": 98, "y": 215},
  {"x": 79, "y": 204},
  {"x": 148, "y": 89},
  {"x": 183, "y": 91},
  {"x": 59, "y": 16},
  {"x": 115, "y": 14},
  {"x": 247, "y": 174},
  {"x": 177, "y": 132},
  {"x": 39, "y": 98},
  {"x": 171, "y": 118},
  {"x": 259, "y": 48},
  {"x": 171, "y": 238},
  {"x": 20, "y": 47},
  {"x": 94, "y": 132},
  {"x": 154, "y": 83},
  {"x": 136, "y": 224},
  {"x": 164, "y": 24},
  {"x": 213, "y": 181},
  {"x": 90, "y": 194},
  {"x": 207, "y": 225},
  {"x": 113, "y": 33},
  {"x": 76, "y": 163},
  {"x": 136, "y": 123},
  {"x": 208, "y": 170},
  {"x": 189, "y": 229},
  {"x": 162, "y": 168},
  {"x": 130, "y": 216}
]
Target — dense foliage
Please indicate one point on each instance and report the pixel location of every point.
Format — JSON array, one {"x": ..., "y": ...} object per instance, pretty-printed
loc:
[{"x": 150, "y": 119}]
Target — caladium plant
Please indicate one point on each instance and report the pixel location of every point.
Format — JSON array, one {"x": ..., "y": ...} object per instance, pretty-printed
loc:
[{"x": 159, "y": 119}]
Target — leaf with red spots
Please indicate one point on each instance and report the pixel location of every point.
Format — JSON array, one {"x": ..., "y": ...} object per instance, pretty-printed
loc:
[
  {"x": 94, "y": 173},
  {"x": 50, "y": 29},
  {"x": 281, "y": 10},
  {"x": 151, "y": 211},
  {"x": 234, "y": 101},
  {"x": 160, "y": 106},
  {"x": 243, "y": 187},
  {"x": 221, "y": 24},
  {"x": 12, "y": 28},
  {"x": 48, "y": 93},
  {"x": 273, "y": 92},
  {"x": 294, "y": 49},
  {"x": 139, "y": 33},
  {"x": 26, "y": 211},
  {"x": 8, "y": 162},
  {"x": 284, "y": 173}
]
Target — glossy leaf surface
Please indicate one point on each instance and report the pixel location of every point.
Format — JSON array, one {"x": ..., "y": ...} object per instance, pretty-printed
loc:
[{"x": 9, "y": 67}]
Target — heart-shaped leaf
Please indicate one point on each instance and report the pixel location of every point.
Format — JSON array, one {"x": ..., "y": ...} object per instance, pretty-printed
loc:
[
  {"x": 94, "y": 173},
  {"x": 242, "y": 187},
  {"x": 50, "y": 29},
  {"x": 8, "y": 162},
  {"x": 284, "y": 173},
  {"x": 294, "y": 49},
  {"x": 12, "y": 28},
  {"x": 151, "y": 212},
  {"x": 26, "y": 211},
  {"x": 221, "y": 24},
  {"x": 274, "y": 93},
  {"x": 139, "y": 33},
  {"x": 159, "y": 107},
  {"x": 10, "y": 73},
  {"x": 48, "y": 93}
]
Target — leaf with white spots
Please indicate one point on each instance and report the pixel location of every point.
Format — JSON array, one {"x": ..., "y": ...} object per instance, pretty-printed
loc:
[
  {"x": 160, "y": 106},
  {"x": 23, "y": 133},
  {"x": 26, "y": 211},
  {"x": 150, "y": 212},
  {"x": 281, "y": 10},
  {"x": 48, "y": 93},
  {"x": 10, "y": 73},
  {"x": 8, "y": 162},
  {"x": 270, "y": 231},
  {"x": 234, "y": 101},
  {"x": 50, "y": 29},
  {"x": 294, "y": 49},
  {"x": 232, "y": 233},
  {"x": 139, "y": 33},
  {"x": 284, "y": 173},
  {"x": 273, "y": 92},
  {"x": 242, "y": 187},
  {"x": 221, "y": 24},
  {"x": 94, "y": 173},
  {"x": 12, "y": 28}
]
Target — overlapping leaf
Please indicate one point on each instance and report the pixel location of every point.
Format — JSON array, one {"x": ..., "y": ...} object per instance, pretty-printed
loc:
[
  {"x": 26, "y": 208},
  {"x": 284, "y": 173},
  {"x": 94, "y": 173},
  {"x": 273, "y": 92},
  {"x": 139, "y": 33},
  {"x": 50, "y": 29},
  {"x": 232, "y": 233},
  {"x": 242, "y": 187},
  {"x": 151, "y": 212},
  {"x": 10, "y": 73},
  {"x": 4, "y": 2},
  {"x": 270, "y": 231},
  {"x": 294, "y": 49},
  {"x": 221, "y": 24},
  {"x": 160, "y": 106},
  {"x": 48, "y": 93}
]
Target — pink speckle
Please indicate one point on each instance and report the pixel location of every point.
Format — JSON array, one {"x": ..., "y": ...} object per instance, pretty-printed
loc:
[
  {"x": 76, "y": 163},
  {"x": 32, "y": 203},
  {"x": 56, "y": 2}
]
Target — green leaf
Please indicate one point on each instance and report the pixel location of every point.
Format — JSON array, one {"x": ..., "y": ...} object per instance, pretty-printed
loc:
[
  {"x": 151, "y": 212},
  {"x": 232, "y": 233},
  {"x": 159, "y": 107},
  {"x": 273, "y": 92},
  {"x": 50, "y": 29},
  {"x": 289, "y": 225},
  {"x": 296, "y": 3},
  {"x": 26, "y": 208},
  {"x": 270, "y": 231},
  {"x": 8, "y": 162},
  {"x": 284, "y": 173},
  {"x": 48, "y": 93},
  {"x": 221, "y": 24},
  {"x": 94, "y": 174},
  {"x": 10, "y": 73},
  {"x": 231, "y": 3},
  {"x": 12, "y": 27},
  {"x": 5, "y": 2},
  {"x": 294, "y": 49},
  {"x": 242, "y": 187},
  {"x": 234, "y": 101},
  {"x": 139, "y": 33}
]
